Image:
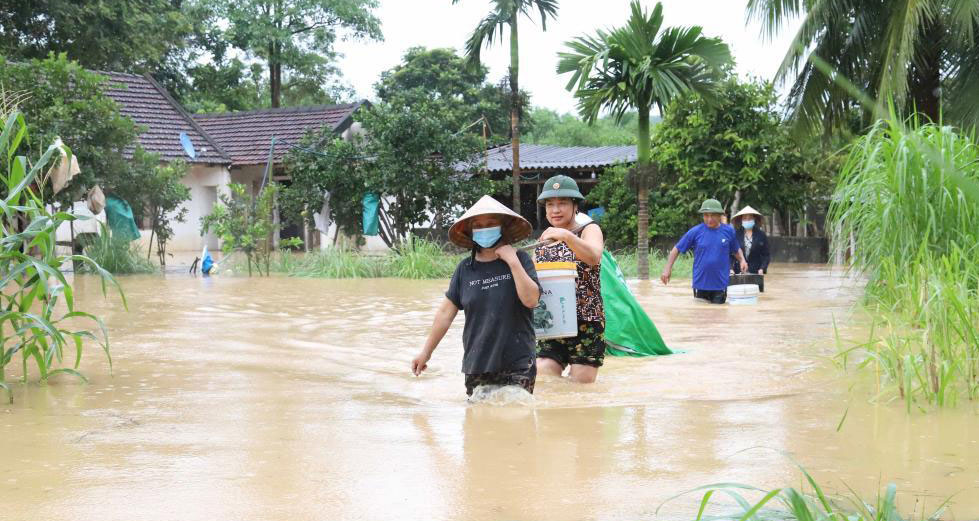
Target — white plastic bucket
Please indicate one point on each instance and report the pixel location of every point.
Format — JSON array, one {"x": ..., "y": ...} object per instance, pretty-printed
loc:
[
  {"x": 556, "y": 315},
  {"x": 742, "y": 294}
]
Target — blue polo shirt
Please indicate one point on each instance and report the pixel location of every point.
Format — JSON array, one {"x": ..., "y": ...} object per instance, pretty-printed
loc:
[{"x": 712, "y": 250}]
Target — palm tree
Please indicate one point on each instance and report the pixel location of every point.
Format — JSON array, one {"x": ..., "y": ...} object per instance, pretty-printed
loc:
[
  {"x": 917, "y": 54},
  {"x": 636, "y": 67},
  {"x": 505, "y": 13}
]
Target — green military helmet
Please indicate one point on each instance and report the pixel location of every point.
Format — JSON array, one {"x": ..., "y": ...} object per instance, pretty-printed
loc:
[
  {"x": 560, "y": 186},
  {"x": 711, "y": 206}
]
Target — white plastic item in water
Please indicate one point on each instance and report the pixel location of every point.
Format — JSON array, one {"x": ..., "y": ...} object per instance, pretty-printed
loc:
[
  {"x": 742, "y": 294},
  {"x": 556, "y": 315}
]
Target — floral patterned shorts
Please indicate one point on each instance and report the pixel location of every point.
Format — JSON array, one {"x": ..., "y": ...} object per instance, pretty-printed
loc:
[{"x": 588, "y": 348}]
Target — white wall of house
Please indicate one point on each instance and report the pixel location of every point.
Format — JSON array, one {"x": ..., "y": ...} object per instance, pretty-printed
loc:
[{"x": 206, "y": 183}]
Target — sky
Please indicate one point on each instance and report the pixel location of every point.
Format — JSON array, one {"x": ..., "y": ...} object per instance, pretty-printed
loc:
[{"x": 438, "y": 23}]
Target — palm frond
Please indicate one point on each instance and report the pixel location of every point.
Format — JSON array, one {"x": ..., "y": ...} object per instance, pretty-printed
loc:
[{"x": 489, "y": 30}]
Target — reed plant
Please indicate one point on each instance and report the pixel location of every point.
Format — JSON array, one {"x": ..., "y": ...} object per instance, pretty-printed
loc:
[
  {"x": 37, "y": 305},
  {"x": 906, "y": 211}
]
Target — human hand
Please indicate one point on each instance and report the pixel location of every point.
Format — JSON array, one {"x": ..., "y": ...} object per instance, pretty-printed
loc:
[
  {"x": 732, "y": 272},
  {"x": 665, "y": 276},
  {"x": 507, "y": 254},
  {"x": 744, "y": 267},
  {"x": 420, "y": 363},
  {"x": 761, "y": 272},
  {"x": 555, "y": 235}
]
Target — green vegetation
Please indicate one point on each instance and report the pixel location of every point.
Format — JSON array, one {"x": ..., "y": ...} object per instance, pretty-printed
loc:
[
  {"x": 909, "y": 198},
  {"x": 567, "y": 130},
  {"x": 117, "y": 256},
  {"x": 416, "y": 259},
  {"x": 244, "y": 223},
  {"x": 922, "y": 54},
  {"x": 409, "y": 161},
  {"x": 505, "y": 14},
  {"x": 735, "y": 149},
  {"x": 38, "y": 301},
  {"x": 464, "y": 97},
  {"x": 810, "y": 503},
  {"x": 635, "y": 67}
]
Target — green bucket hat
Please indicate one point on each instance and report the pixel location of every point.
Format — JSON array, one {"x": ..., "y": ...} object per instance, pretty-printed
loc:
[
  {"x": 711, "y": 206},
  {"x": 560, "y": 186}
]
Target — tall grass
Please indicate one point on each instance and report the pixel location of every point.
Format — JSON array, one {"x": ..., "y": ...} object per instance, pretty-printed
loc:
[
  {"x": 417, "y": 259},
  {"x": 908, "y": 199},
  {"x": 117, "y": 256}
]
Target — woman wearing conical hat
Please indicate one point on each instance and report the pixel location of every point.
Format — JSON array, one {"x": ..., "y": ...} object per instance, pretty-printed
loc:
[
  {"x": 753, "y": 241},
  {"x": 497, "y": 288}
]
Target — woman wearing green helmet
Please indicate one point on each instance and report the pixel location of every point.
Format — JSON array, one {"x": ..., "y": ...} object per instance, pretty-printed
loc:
[{"x": 584, "y": 353}]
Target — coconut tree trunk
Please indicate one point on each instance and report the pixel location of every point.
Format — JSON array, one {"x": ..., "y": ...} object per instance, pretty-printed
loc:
[
  {"x": 642, "y": 149},
  {"x": 515, "y": 109}
]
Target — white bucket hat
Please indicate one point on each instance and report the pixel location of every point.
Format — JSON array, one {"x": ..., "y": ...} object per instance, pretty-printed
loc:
[{"x": 515, "y": 227}]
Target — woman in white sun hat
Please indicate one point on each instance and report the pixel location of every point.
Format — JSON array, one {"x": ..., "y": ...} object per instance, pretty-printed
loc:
[
  {"x": 497, "y": 288},
  {"x": 753, "y": 241}
]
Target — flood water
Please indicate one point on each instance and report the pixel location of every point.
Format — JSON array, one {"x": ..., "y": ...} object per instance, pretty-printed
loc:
[{"x": 291, "y": 399}]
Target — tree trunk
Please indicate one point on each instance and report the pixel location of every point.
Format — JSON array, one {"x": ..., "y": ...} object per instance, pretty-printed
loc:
[
  {"x": 642, "y": 246},
  {"x": 275, "y": 76},
  {"x": 515, "y": 110},
  {"x": 925, "y": 76}
]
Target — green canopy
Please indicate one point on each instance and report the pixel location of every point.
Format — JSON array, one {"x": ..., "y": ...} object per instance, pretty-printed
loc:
[
  {"x": 119, "y": 216},
  {"x": 628, "y": 329}
]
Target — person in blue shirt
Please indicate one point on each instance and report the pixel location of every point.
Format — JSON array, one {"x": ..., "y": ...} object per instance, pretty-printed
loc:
[{"x": 712, "y": 243}]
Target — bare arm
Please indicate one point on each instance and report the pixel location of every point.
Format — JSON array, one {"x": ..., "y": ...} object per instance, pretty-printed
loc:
[
  {"x": 443, "y": 319},
  {"x": 587, "y": 248},
  {"x": 668, "y": 269},
  {"x": 744, "y": 263},
  {"x": 527, "y": 289}
]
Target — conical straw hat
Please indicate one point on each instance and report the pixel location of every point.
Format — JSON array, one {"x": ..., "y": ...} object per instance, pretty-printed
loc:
[
  {"x": 515, "y": 227},
  {"x": 747, "y": 211}
]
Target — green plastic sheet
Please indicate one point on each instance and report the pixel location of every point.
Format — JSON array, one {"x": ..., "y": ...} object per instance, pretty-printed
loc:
[
  {"x": 371, "y": 217},
  {"x": 119, "y": 216},
  {"x": 628, "y": 329}
]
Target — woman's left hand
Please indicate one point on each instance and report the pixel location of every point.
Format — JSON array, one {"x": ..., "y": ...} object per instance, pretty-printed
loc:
[
  {"x": 506, "y": 253},
  {"x": 761, "y": 272},
  {"x": 556, "y": 235}
]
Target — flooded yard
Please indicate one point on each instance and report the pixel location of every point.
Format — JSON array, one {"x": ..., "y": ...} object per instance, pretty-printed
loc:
[{"x": 292, "y": 399}]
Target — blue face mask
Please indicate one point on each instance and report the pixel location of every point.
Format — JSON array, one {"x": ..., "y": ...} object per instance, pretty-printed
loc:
[
  {"x": 748, "y": 224},
  {"x": 487, "y": 237}
]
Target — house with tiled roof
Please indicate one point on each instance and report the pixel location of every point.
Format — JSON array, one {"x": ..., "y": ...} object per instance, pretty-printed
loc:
[{"x": 220, "y": 149}]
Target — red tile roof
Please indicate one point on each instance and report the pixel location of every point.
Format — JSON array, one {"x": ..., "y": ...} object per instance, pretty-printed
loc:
[
  {"x": 148, "y": 104},
  {"x": 246, "y": 136}
]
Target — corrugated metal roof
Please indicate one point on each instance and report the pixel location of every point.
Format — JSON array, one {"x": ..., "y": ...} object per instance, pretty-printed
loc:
[{"x": 548, "y": 157}]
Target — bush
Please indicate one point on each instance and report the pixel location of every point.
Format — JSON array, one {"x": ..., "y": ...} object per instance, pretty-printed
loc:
[{"x": 117, "y": 256}]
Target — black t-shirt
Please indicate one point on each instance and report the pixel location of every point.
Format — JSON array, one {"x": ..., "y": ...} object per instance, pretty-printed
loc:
[{"x": 498, "y": 335}]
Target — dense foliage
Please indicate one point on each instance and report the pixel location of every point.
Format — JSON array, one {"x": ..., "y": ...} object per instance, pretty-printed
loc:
[
  {"x": 567, "y": 130},
  {"x": 410, "y": 161},
  {"x": 733, "y": 149}
]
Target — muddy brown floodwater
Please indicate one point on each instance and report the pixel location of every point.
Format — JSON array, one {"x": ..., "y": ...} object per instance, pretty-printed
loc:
[{"x": 291, "y": 399}]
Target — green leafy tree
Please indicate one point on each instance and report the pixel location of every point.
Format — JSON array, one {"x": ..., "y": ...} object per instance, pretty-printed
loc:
[
  {"x": 245, "y": 223},
  {"x": 121, "y": 35},
  {"x": 918, "y": 54},
  {"x": 441, "y": 75},
  {"x": 568, "y": 130},
  {"x": 505, "y": 14},
  {"x": 409, "y": 160},
  {"x": 734, "y": 149},
  {"x": 635, "y": 67},
  {"x": 156, "y": 194},
  {"x": 334, "y": 171},
  {"x": 64, "y": 100},
  {"x": 295, "y": 38}
]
